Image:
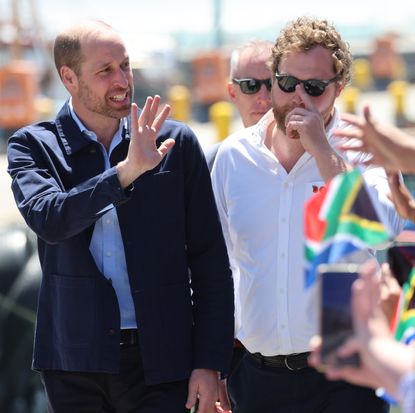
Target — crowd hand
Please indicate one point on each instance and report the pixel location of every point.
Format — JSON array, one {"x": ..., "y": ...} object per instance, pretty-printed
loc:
[
  {"x": 401, "y": 197},
  {"x": 360, "y": 376},
  {"x": 383, "y": 360},
  {"x": 371, "y": 331},
  {"x": 203, "y": 386},
  {"x": 143, "y": 153},
  {"x": 389, "y": 146},
  {"x": 390, "y": 293},
  {"x": 389, "y": 359}
]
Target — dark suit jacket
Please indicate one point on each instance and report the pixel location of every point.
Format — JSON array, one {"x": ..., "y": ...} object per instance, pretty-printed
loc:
[{"x": 170, "y": 229}]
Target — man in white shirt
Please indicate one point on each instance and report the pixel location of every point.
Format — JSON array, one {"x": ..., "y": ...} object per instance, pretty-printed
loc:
[
  {"x": 262, "y": 177},
  {"x": 249, "y": 85}
]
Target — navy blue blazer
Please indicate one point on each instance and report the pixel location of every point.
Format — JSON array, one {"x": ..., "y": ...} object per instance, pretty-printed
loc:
[{"x": 175, "y": 251}]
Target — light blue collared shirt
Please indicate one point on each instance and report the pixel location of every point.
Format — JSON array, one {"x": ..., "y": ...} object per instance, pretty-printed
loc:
[{"x": 106, "y": 246}]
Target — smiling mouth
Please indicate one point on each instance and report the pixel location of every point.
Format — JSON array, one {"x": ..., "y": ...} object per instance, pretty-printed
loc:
[{"x": 119, "y": 97}]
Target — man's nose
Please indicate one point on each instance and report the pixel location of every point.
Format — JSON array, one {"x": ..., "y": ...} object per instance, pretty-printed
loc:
[
  {"x": 263, "y": 96},
  {"x": 297, "y": 99},
  {"x": 121, "y": 78}
]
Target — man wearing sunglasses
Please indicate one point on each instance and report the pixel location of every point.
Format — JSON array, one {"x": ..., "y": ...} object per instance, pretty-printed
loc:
[
  {"x": 262, "y": 177},
  {"x": 249, "y": 85}
]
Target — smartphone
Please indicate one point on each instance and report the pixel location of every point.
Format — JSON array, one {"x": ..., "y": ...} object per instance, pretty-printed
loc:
[
  {"x": 401, "y": 259},
  {"x": 336, "y": 321}
]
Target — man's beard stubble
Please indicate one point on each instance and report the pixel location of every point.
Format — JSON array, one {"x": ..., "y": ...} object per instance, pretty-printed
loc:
[
  {"x": 280, "y": 114},
  {"x": 99, "y": 106}
]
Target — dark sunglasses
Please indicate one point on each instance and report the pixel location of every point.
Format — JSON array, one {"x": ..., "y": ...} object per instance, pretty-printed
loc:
[
  {"x": 250, "y": 86},
  {"x": 313, "y": 87}
]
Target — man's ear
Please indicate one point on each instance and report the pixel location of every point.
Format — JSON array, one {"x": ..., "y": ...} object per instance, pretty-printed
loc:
[
  {"x": 231, "y": 91},
  {"x": 69, "y": 78},
  {"x": 340, "y": 88}
]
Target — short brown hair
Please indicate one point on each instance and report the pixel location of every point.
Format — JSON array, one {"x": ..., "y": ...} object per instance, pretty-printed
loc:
[
  {"x": 67, "y": 51},
  {"x": 305, "y": 33},
  {"x": 67, "y": 48}
]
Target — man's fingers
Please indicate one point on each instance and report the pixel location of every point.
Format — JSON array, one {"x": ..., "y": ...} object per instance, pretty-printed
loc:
[
  {"x": 144, "y": 115},
  {"x": 315, "y": 346},
  {"x": 348, "y": 348},
  {"x": 344, "y": 373},
  {"x": 153, "y": 109},
  {"x": 367, "y": 115},
  {"x": 348, "y": 148},
  {"x": 353, "y": 120},
  {"x": 399, "y": 193},
  {"x": 165, "y": 146},
  {"x": 401, "y": 197},
  {"x": 191, "y": 395},
  {"x": 134, "y": 117},
  {"x": 223, "y": 396},
  {"x": 349, "y": 133},
  {"x": 161, "y": 117}
]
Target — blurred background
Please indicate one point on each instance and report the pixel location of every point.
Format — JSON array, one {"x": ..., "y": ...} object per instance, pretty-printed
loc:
[{"x": 180, "y": 50}]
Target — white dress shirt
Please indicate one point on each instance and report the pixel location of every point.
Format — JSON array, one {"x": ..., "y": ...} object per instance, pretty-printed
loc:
[{"x": 261, "y": 207}]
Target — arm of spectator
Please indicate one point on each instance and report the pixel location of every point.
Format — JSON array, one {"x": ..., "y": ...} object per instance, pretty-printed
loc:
[{"x": 389, "y": 146}]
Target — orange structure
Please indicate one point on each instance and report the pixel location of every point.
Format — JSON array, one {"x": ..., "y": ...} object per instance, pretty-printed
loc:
[
  {"x": 210, "y": 76},
  {"x": 18, "y": 89},
  {"x": 386, "y": 63}
]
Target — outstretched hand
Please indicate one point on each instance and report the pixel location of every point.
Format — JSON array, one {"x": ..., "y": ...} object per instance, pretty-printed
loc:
[
  {"x": 390, "y": 147},
  {"x": 143, "y": 153}
]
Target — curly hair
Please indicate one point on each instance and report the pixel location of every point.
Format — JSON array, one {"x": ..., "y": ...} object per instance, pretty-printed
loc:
[{"x": 305, "y": 33}]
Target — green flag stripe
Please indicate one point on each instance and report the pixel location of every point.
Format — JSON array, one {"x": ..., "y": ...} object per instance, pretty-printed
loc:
[
  {"x": 341, "y": 203},
  {"x": 407, "y": 318}
]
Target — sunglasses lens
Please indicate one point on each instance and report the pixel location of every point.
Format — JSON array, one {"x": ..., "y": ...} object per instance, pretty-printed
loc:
[
  {"x": 287, "y": 83},
  {"x": 250, "y": 86},
  {"x": 268, "y": 84},
  {"x": 314, "y": 87}
]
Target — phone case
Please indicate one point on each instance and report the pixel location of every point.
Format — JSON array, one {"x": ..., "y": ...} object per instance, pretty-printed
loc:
[{"x": 336, "y": 322}]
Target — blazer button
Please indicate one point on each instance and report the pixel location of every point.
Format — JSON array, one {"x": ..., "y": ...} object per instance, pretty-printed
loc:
[{"x": 111, "y": 332}]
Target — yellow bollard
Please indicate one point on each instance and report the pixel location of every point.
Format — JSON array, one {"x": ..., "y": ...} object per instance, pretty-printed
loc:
[
  {"x": 362, "y": 77},
  {"x": 399, "y": 90},
  {"x": 179, "y": 99},
  {"x": 44, "y": 108},
  {"x": 220, "y": 114},
  {"x": 350, "y": 96}
]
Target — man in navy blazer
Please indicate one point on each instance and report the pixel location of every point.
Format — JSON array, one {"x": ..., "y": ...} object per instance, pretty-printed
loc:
[{"x": 136, "y": 305}]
